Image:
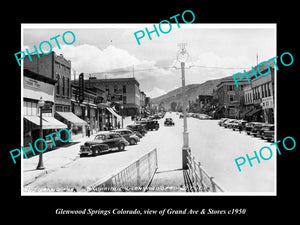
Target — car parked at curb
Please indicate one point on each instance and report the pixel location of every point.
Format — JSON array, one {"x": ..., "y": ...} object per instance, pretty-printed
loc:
[
  {"x": 129, "y": 135},
  {"x": 267, "y": 132},
  {"x": 149, "y": 125},
  {"x": 103, "y": 142},
  {"x": 249, "y": 126},
  {"x": 137, "y": 128},
  {"x": 222, "y": 120},
  {"x": 256, "y": 129},
  {"x": 239, "y": 125},
  {"x": 228, "y": 122}
]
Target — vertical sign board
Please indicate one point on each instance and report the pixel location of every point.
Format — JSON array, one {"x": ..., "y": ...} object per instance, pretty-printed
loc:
[{"x": 81, "y": 88}]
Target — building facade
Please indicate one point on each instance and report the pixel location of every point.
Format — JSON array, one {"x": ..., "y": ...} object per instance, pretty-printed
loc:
[
  {"x": 122, "y": 91},
  {"x": 263, "y": 93},
  {"x": 57, "y": 68},
  {"x": 35, "y": 88},
  {"x": 230, "y": 99}
]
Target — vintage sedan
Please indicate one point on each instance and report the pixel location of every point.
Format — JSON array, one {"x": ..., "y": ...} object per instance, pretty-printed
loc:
[
  {"x": 227, "y": 123},
  {"x": 129, "y": 135},
  {"x": 137, "y": 128},
  {"x": 149, "y": 125},
  {"x": 169, "y": 122},
  {"x": 222, "y": 120},
  {"x": 256, "y": 129},
  {"x": 267, "y": 132},
  {"x": 249, "y": 127},
  {"x": 102, "y": 142}
]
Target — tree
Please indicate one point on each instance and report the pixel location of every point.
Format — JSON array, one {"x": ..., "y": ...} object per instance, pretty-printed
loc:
[{"x": 173, "y": 106}]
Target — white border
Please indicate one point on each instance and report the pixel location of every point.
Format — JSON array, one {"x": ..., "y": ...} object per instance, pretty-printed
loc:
[{"x": 131, "y": 26}]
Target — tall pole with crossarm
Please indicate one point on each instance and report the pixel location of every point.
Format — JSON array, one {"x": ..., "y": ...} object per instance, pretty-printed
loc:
[{"x": 182, "y": 57}]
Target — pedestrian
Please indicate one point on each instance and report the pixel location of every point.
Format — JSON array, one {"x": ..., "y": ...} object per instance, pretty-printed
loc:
[
  {"x": 240, "y": 128},
  {"x": 88, "y": 130},
  {"x": 119, "y": 125}
]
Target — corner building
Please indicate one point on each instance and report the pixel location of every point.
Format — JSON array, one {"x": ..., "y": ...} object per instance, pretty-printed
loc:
[{"x": 124, "y": 91}]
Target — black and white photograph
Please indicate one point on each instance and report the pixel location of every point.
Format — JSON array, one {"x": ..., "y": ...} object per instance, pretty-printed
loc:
[
  {"x": 128, "y": 109},
  {"x": 131, "y": 110}
]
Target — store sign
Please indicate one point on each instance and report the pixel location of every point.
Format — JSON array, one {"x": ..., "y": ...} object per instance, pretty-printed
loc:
[
  {"x": 35, "y": 89},
  {"x": 267, "y": 103},
  {"x": 47, "y": 108}
]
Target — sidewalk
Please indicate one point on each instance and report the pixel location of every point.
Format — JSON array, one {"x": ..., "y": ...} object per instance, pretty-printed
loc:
[{"x": 53, "y": 160}]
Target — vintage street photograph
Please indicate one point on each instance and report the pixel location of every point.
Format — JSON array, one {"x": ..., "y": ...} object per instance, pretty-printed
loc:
[{"x": 130, "y": 109}]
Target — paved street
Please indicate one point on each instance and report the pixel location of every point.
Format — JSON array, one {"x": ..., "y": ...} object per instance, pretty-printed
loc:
[{"x": 215, "y": 147}]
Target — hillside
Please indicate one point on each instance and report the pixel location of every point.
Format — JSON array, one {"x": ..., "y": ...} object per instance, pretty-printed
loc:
[{"x": 192, "y": 91}]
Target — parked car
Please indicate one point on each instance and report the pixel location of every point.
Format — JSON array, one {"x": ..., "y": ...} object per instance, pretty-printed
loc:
[
  {"x": 227, "y": 122},
  {"x": 104, "y": 141},
  {"x": 234, "y": 125},
  {"x": 138, "y": 128},
  {"x": 267, "y": 132},
  {"x": 239, "y": 124},
  {"x": 222, "y": 120},
  {"x": 169, "y": 122},
  {"x": 129, "y": 136},
  {"x": 249, "y": 126},
  {"x": 149, "y": 125},
  {"x": 256, "y": 129}
]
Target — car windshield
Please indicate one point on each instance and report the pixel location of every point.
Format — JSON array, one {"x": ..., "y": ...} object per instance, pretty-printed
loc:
[{"x": 100, "y": 137}]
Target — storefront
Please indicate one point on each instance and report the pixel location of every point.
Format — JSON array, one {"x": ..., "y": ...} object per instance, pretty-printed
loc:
[{"x": 76, "y": 125}]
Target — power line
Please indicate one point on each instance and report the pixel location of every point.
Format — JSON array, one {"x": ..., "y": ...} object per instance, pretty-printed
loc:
[{"x": 164, "y": 67}]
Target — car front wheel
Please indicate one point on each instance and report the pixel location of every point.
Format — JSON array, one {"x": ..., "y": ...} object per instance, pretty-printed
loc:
[
  {"x": 132, "y": 141},
  {"x": 121, "y": 147}
]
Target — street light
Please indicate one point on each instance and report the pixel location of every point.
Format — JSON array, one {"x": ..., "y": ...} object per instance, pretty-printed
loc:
[
  {"x": 183, "y": 57},
  {"x": 40, "y": 165}
]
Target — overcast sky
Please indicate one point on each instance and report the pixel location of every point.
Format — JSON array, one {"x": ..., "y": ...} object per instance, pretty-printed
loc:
[{"x": 113, "y": 47}]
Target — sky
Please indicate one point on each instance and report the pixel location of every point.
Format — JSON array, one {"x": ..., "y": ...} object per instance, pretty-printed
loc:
[{"x": 112, "y": 50}]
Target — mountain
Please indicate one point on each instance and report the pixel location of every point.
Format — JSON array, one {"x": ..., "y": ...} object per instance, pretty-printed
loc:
[{"x": 191, "y": 90}]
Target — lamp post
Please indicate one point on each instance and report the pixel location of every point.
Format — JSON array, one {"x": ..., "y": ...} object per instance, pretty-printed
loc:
[
  {"x": 40, "y": 165},
  {"x": 182, "y": 57}
]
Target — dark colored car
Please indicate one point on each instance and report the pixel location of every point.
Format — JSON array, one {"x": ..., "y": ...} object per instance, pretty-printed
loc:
[
  {"x": 149, "y": 125},
  {"x": 249, "y": 126},
  {"x": 138, "y": 128},
  {"x": 267, "y": 132},
  {"x": 256, "y": 129},
  {"x": 169, "y": 122},
  {"x": 104, "y": 141},
  {"x": 129, "y": 135}
]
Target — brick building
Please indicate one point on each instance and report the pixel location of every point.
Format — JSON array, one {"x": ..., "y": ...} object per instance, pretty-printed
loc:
[{"x": 57, "y": 68}]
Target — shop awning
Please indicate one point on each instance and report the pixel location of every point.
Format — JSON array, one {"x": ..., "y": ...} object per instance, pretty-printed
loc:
[
  {"x": 72, "y": 118},
  {"x": 48, "y": 122},
  {"x": 113, "y": 112},
  {"x": 254, "y": 111}
]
